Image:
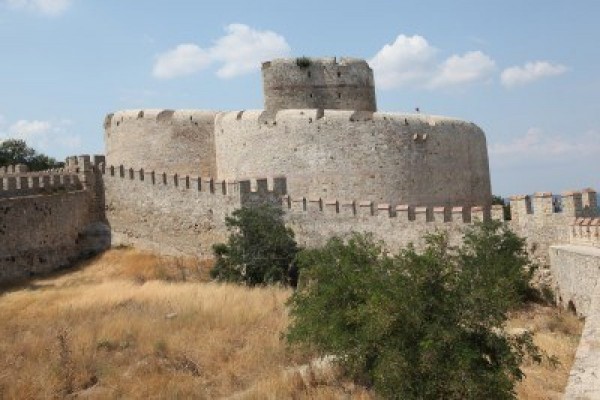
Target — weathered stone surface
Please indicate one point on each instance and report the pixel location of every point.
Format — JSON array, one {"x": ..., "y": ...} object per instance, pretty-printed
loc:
[
  {"x": 179, "y": 141},
  {"x": 340, "y": 155},
  {"x": 576, "y": 269},
  {"x": 325, "y": 83},
  {"x": 39, "y": 234}
]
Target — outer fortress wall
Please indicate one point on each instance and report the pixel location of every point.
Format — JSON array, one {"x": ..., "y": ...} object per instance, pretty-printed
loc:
[
  {"x": 47, "y": 220},
  {"x": 383, "y": 157},
  {"x": 176, "y": 214},
  {"x": 165, "y": 140},
  {"x": 318, "y": 83},
  {"x": 179, "y": 214}
]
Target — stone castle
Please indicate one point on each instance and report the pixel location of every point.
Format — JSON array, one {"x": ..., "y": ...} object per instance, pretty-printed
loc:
[
  {"x": 321, "y": 130},
  {"x": 321, "y": 151}
]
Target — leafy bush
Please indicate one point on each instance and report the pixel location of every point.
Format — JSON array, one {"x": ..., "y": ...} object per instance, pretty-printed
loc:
[
  {"x": 418, "y": 325},
  {"x": 260, "y": 249}
]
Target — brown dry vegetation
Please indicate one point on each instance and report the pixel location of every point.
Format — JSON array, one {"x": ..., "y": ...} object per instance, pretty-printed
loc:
[
  {"x": 556, "y": 332},
  {"x": 133, "y": 325}
]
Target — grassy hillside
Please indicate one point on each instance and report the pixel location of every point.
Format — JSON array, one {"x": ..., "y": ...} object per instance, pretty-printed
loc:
[{"x": 134, "y": 325}]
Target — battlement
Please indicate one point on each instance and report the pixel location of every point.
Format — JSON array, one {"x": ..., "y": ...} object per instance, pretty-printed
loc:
[
  {"x": 35, "y": 183},
  {"x": 312, "y": 115},
  {"x": 245, "y": 187},
  {"x": 14, "y": 169},
  {"x": 400, "y": 213},
  {"x": 585, "y": 231},
  {"x": 315, "y": 61},
  {"x": 544, "y": 205},
  {"x": 114, "y": 120},
  {"x": 18, "y": 182}
]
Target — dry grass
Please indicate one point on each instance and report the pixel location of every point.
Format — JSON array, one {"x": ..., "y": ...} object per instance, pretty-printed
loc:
[
  {"x": 133, "y": 325},
  {"x": 108, "y": 330},
  {"x": 556, "y": 332}
]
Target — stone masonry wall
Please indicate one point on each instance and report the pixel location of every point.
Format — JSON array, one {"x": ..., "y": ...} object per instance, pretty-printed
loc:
[
  {"x": 319, "y": 83},
  {"x": 386, "y": 158},
  {"x": 41, "y": 233},
  {"x": 315, "y": 221},
  {"x": 176, "y": 214},
  {"x": 179, "y": 141},
  {"x": 543, "y": 223},
  {"x": 47, "y": 220},
  {"x": 576, "y": 269},
  {"x": 584, "y": 379}
]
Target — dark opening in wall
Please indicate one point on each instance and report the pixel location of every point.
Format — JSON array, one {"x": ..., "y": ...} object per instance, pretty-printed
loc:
[
  {"x": 571, "y": 307},
  {"x": 311, "y": 95},
  {"x": 309, "y": 74},
  {"x": 339, "y": 95},
  {"x": 339, "y": 74}
]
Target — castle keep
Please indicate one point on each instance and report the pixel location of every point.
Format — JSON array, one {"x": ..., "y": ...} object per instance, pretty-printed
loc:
[
  {"x": 322, "y": 152},
  {"x": 321, "y": 130}
]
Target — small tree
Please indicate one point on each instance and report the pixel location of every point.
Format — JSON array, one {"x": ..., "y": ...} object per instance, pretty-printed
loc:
[
  {"x": 418, "y": 325},
  {"x": 260, "y": 249},
  {"x": 16, "y": 151}
]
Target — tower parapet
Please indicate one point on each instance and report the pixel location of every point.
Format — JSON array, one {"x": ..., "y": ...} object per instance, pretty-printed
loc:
[{"x": 323, "y": 83}]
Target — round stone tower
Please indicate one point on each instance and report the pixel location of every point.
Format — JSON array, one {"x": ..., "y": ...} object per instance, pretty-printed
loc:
[{"x": 324, "y": 83}]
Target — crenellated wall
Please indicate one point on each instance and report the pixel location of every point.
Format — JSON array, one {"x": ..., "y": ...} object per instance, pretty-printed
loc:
[
  {"x": 177, "y": 214},
  {"x": 32, "y": 183},
  {"x": 316, "y": 220},
  {"x": 383, "y": 157},
  {"x": 49, "y": 219},
  {"x": 181, "y": 214},
  {"x": 13, "y": 169},
  {"x": 544, "y": 221},
  {"x": 175, "y": 141}
]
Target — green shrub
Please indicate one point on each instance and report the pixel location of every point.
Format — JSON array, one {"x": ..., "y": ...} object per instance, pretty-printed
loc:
[
  {"x": 418, "y": 325},
  {"x": 260, "y": 249},
  {"x": 16, "y": 151}
]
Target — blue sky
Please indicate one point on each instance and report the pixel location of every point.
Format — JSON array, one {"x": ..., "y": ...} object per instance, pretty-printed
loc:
[{"x": 528, "y": 73}]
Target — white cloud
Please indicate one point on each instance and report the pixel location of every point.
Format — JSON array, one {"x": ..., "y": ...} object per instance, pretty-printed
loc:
[
  {"x": 240, "y": 51},
  {"x": 530, "y": 72},
  {"x": 44, "y": 136},
  {"x": 411, "y": 60},
  {"x": 535, "y": 145},
  {"x": 458, "y": 70},
  {"x": 406, "y": 61},
  {"x": 243, "y": 48},
  {"x": 46, "y": 7},
  {"x": 30, "y": 131},
  {"x": 184, "y": 59}
]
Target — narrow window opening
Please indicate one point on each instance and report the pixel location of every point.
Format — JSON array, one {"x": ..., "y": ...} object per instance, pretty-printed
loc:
[
  {"x": 339, "y": 95},
  {"x": 311, "y": 95},
  {"x": 339, "y": 74}
]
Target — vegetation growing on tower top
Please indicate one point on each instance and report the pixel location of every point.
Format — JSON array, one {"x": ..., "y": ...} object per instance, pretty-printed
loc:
[{"x": 303, "y": 62}]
